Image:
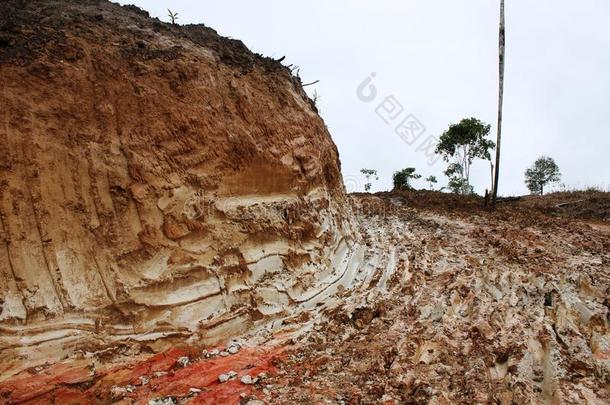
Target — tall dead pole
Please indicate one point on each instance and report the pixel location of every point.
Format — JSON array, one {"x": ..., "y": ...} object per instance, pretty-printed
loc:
[{"x": 500, "y": 102}]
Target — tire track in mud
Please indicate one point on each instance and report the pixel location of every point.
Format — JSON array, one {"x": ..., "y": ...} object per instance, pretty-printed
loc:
[{"x": 470, "y": 311}]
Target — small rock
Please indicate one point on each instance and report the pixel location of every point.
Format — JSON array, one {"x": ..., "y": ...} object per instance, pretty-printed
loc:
[
  {"x": 255, "y": 402},
  {"x": 247, "y": 379},
  {"x": 233, "y": 349},
  {"x": 194, "y": 390},
  {"x": 117, "y": 392},
  {"x": 144, "y": 380},
  {"x": 224, "y": 354},
  {"x": 120, "y": 392},
  {"x": 227, "y": 376},
  {"x": 214, "y": 352},
  {"x": 183, "y": 361},
  {"x": 162, "y": 401},
  {"x": 261, "y": 376},
  {"x": 159, "y": 374}
]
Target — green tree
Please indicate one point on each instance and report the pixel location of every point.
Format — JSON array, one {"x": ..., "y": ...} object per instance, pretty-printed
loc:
[
  {"x": 543, "y": 171},
  {"x": 460, "y": 145},
  {"x": 369, "y": 174},
  {"x": 402, "y": 179},
  {"x": 172, "y": 16},
  {"x": 459, "y": 186},
  {"x": 432, "y": 181}
]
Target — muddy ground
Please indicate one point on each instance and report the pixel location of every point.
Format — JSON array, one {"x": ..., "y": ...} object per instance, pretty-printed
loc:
[
  {"x": 471, "y": 307},
  {"x": 450, "y": 305}
]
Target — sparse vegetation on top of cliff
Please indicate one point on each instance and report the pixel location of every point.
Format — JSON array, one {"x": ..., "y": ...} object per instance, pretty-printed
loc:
[
  {"x": 543, "y": 171},
  {"x": 402, "y": 179},
  {"x": 460, "y": 145}
]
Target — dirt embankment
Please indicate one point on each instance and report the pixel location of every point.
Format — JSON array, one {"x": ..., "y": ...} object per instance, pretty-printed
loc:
[{"x": 157, "y": 183}]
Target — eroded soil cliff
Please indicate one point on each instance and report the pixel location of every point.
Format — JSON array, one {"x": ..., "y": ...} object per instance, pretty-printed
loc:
[{"x": 157, "y": 182}]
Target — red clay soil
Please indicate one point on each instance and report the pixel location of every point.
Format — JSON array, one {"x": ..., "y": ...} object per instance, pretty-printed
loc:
[{"x": 160, "y": 376}]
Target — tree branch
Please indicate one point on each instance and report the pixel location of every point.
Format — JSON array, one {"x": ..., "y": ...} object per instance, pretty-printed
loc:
[{"x": 309, "y": 84}]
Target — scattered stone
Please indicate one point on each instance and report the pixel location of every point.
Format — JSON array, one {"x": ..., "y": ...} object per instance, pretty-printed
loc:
[
  {"x": 227, "y": 376},
  {"x": 233, "y": 348},
  {"x": 213, "y": 352},
  {"x": 255, "y": 402},
  {"x": 183, "y": 361},
  {"x": 144, "y": 380},
  {"x": 247, "y": 379},
  {"x": 194, "y": 391},
  {"x": 163, "y": 401},
  {"x": 117, "y": 392},
  {"x": 261, "y": 376},
  {"x": 224, "y": 354},
  {"x": 159, "y": 374}
]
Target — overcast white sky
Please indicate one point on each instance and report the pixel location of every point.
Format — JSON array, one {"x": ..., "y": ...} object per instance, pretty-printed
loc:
[{"x": 438, "y": 58}]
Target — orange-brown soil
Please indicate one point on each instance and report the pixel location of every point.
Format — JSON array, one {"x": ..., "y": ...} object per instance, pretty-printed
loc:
[{"x": 157, "y": 183}]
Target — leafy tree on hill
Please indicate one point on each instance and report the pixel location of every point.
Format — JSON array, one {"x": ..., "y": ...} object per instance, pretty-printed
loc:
[
  {"x": 543, "y": 171},
  {"x": 460, "y": 145},
  {"x": 402, "y": 179}
]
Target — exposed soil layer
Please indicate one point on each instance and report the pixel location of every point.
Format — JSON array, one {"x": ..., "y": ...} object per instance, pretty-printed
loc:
[
  {"x": 445, "y": 307},
  {"x": 157, "y": 183},
  {"x": 180, "y": 375}
]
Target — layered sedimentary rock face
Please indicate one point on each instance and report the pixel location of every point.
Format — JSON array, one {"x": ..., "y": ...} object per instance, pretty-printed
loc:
[{"x": 156, "y": 181}]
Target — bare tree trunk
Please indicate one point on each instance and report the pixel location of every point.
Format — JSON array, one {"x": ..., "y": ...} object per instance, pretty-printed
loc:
[
  {"x": 491, "y": 165},
  {"x": 500, "y": 102}
]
